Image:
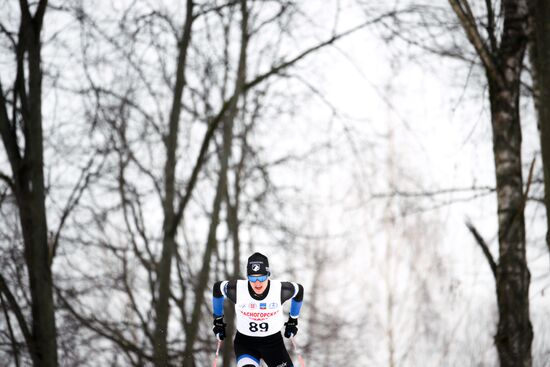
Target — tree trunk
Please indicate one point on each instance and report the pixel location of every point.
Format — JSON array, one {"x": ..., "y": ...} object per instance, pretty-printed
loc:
[
  {"x": 28, "y": 183},
  {"x": 162, "y": 306},
  {"x": 221, "y": 191},
  {"x": 203, "y": 276},
  {"x": 540, "y": 61},
  {"x": 514, "y": 335},
  {"x": 503, "y": 66},
  {"x": 233, "y": 226},
  {"x": 212, "y": 242}
]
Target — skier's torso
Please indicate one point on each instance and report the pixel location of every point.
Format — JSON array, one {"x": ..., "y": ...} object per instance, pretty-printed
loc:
[{"x": 259, "y": 317}]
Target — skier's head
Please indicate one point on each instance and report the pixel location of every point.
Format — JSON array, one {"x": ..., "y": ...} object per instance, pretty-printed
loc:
[
  {"x": 257, "y": 269},
  {"x": 257, "y": 265}
]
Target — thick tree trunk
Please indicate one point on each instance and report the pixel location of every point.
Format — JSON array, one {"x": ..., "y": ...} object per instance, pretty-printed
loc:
[
  {"x": 28, "y": 184},
  {"x": 515, "y": 334},
  {"x": 503, "y": 65},
  {"x": 540, "y": 60},
  {"x": 34, "y": 228}
]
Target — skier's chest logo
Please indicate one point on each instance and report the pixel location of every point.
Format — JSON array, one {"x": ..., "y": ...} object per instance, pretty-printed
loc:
[
  {"x": 259, "y": 311},
  {"x": 258, "y": 315}
]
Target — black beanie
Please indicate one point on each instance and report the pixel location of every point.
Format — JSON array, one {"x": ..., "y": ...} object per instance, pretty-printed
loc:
[{"x": 257, "y": 264}]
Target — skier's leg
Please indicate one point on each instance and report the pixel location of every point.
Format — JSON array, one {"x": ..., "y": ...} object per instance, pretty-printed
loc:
[
  {"x": 275, "y": 354},
  {"x": 247, "y": 355},
  {"x": 247, "y": 361}
]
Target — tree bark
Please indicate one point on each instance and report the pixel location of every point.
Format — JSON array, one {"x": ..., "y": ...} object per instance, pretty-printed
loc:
[
  {"x": 28, "y": 179},
  {"x": 540, "y": 61},
  {"x": 503, "y": 69},
  {"x": 515, "y": 333}
]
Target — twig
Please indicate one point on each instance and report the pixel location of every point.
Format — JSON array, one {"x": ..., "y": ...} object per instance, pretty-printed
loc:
[{"x": 481, "y": 242}]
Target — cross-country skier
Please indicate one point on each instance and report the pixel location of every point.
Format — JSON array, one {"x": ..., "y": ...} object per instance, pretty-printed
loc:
[{"x": 259, "y": 314}]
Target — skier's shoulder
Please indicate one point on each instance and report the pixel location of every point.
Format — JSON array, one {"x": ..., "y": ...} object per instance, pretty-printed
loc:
[
  {"x": 291, "y": 290},
  {"x": 225, "y": 288},
  {"x": 291, "y": 286}
]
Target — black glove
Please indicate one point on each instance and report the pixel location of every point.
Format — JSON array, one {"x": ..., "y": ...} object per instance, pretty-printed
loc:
[
  {"x": 291, "y": 327},
  {"x": 219, "y": 328}
]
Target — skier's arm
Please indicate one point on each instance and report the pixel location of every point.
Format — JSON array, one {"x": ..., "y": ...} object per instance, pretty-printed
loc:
[
  {"x": 219, "y": 292},
  {"x": 294, "y": 291},
  {"x": 217, "y": 299}
]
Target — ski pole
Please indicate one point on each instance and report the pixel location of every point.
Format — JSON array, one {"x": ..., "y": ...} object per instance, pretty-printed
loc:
[
  {"x": 217, "y": 353},
  {"x": 300, "y": 359}
]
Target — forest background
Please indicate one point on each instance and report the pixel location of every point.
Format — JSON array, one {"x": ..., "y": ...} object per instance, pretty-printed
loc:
[{"x": 390, "y": 156}]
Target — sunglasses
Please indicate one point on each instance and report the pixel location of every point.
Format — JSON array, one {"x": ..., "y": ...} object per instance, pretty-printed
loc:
[{"x": 261, "y": 278}]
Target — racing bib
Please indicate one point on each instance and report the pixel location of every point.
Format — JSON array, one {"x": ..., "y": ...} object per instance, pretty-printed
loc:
[{"x": 259, "y": 318}]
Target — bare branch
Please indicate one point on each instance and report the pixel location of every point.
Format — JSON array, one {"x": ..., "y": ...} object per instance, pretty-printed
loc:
[
  {"x": 125, "y": 203},
  {"x": 212, "y": 126},
  {"x": 72, "y": 202},
  {"x": 434, "y": 192},
  {"x": 491, "y": 25},
  {"x": 330, "y": 41},
  {"x": 8, "y": 180},
  {"x": 217, "y": 8},
  {"x": 8, "y": 34},
  {"x": 284, "y": 7},
  {"x": 133, "y": 302},
  {"x": 529, "y": 180},
  {"x": 104, "y": 329},
  {"x": 464, "y": 13},
  {"x": 8, "y": 134},
  {"x": 24, "y": 5},
  {"x": 10, "y": 331},
  {"x": 40, "y": 10},
  {"x": 481, "y": 242},
  {"x": 18, "y": 314},
  {"x": 19, "y": 88}
]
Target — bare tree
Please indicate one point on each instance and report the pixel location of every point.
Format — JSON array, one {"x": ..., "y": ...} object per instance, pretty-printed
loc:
[
  {"x": 22, "y": 136},
  {"x": 502, "y": 60}
]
